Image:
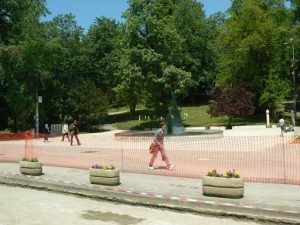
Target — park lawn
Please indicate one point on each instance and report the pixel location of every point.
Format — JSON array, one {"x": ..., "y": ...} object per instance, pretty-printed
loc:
[
  {"x": 127, "y": 125},
  {"x": 120, "y": 109},
  {"x": 192, "y": 116},
  {"x": 5, "y": 132},
  {"x": 198, "y": 116}
]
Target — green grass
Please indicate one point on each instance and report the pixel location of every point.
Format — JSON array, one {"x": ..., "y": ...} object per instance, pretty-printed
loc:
[
  {"x": 119, "y": 109},
  {"x": 5, "y": 132},
  {"x": 196, "y": 116}
]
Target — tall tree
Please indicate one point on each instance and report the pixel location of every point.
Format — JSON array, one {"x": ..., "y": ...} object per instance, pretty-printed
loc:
[
  {"x": 252, "y": 46},
  {"x": 67, "y": 67},
  {"x": 198, "y": 57},
  {"x": 102, "y": 43},
  {"x": 88, "y": 104},
  {"x": 232, "y": 102},
  {"x": 153, "y": 47},
  {"x": 21, "y": 28}
]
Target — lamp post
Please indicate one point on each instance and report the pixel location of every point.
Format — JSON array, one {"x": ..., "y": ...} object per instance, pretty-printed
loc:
[
  {"x": 268, "y": 118},
  {"x": 294, "y": 80},
  {"x": 39, "y": 99}
]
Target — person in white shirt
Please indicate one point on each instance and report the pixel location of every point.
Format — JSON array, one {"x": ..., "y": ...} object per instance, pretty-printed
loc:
[
  {"x": 65, "y": 132},
  {"x": 282, "y": 126}
]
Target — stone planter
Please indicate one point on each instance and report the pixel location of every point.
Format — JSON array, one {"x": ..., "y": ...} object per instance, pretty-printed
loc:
[
  {"x": 223, "y": 187},
  {"x": 105, "y": 177},
  {"x": 31, "y": 168}
]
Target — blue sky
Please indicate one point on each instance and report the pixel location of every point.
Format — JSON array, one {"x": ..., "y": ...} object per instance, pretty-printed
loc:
[{"x": 85, "y": 11}]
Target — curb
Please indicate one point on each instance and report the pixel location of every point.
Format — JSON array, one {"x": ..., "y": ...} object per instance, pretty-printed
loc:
[{"x": 184, "y": 204}]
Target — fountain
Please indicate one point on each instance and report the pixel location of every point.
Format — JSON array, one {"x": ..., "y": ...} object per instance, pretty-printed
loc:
[
  {"x": 174, "y": 121},
  {"x": 174, "y": 126}
]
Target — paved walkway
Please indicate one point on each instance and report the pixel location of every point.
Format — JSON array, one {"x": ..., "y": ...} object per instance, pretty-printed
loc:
[{"x": 271, "y": 202}]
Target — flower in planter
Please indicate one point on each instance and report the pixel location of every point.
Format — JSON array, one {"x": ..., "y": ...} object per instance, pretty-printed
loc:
[
  {"x": 229, "y": 174},
  {"x": 232, "y": 174},
  {"x": 105, "y": 175},
  {"x": 216, "y": 184},
  {"x": 31, "y": 166},
  {"x": 99, "y": 166},
  {"x": 33, "y": 159}
]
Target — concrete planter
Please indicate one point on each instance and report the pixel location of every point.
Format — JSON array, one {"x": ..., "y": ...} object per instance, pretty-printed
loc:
[
  {"x": 31, "y": 168},
  {"x": 104, "y": 177},
  {"x": 223, "y": 187}
]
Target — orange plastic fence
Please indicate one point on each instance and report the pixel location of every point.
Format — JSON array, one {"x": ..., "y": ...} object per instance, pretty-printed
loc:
[
  {"x": 268, "y": 159},
  {"x": 12, "y": 136}
]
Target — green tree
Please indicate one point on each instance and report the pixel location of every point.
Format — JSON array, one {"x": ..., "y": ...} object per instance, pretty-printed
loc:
[
  {"x": 275, "y": 94},
  {"x": 252, "y": 46},
  {"x": 198, "y": 55},
  {"x": 295, "y": 35},
  {"x": 21, "y": 28},
  {"x": 88, "y": 104},
  {"x": 67, "y": 66},
  {"x": 102, "y": 44},
  {"x": 152, "y": 46}
]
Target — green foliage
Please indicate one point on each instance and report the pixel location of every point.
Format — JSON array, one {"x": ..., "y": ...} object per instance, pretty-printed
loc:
[
  {"x": 175, "y": 79},
  {"x": 245, "y": 45},
  {"x": 88, "y": 104},
  {"x": 167, "y": 43},
  {"x": 198, "y": 55},
  {"x": 275, "y": 94},
  {"x": 130, "y": 87},
  {"x": 161, "y": 47},
  {"x": 253, "y": 50},
  {"x": 20, "y": 37},
  {"x": 102, "y": 43}
]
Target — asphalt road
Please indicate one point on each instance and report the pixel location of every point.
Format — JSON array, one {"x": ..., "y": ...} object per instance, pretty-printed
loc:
[{"x": 36, "y": 207}]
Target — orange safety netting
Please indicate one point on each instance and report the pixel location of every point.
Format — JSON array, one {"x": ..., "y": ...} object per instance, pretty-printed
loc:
[{"x": 269, "y": 159}]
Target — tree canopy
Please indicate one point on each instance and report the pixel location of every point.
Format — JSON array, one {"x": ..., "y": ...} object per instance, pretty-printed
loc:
[{"x": 162, "y": 46}]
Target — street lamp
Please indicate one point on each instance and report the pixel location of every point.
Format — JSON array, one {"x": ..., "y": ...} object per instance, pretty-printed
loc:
[{"x": 294, "y": 80}]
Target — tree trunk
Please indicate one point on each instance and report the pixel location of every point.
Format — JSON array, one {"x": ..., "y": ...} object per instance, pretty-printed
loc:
[
  {"x": 132, "y": 107},
  {"x": 15, "y": 127},
  {"x": 229, "y": 122}
]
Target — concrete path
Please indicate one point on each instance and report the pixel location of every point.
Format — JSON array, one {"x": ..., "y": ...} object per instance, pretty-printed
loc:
[
  {"x": 267, "y": 202},
  {"x": 38, "y": 207}
]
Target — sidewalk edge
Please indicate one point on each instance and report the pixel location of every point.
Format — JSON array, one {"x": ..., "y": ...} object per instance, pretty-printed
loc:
[{"x": 151, "y": 200}]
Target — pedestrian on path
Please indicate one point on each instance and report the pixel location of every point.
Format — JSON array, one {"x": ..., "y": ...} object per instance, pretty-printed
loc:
[
  {"x": 65, "y": 132},
  {"x": 282, "y": 126},
  {"x": 74, "y": 132},
  {"x": 159, "y": 147},
  {"x": 46, "y": 132}
]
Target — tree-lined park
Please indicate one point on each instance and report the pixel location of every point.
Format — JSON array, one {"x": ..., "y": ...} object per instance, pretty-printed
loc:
[{"x": 235, "y": 64}]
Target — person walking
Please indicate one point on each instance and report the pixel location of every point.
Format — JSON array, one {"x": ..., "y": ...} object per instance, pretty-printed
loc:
[
  {"x": 46, "y": 132},
  {"x": 74, "y": 132},
  {"x": 282, "y": 126},
  {"x": 159, "y": 147},
  {"x": 65, "y": 132}
]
